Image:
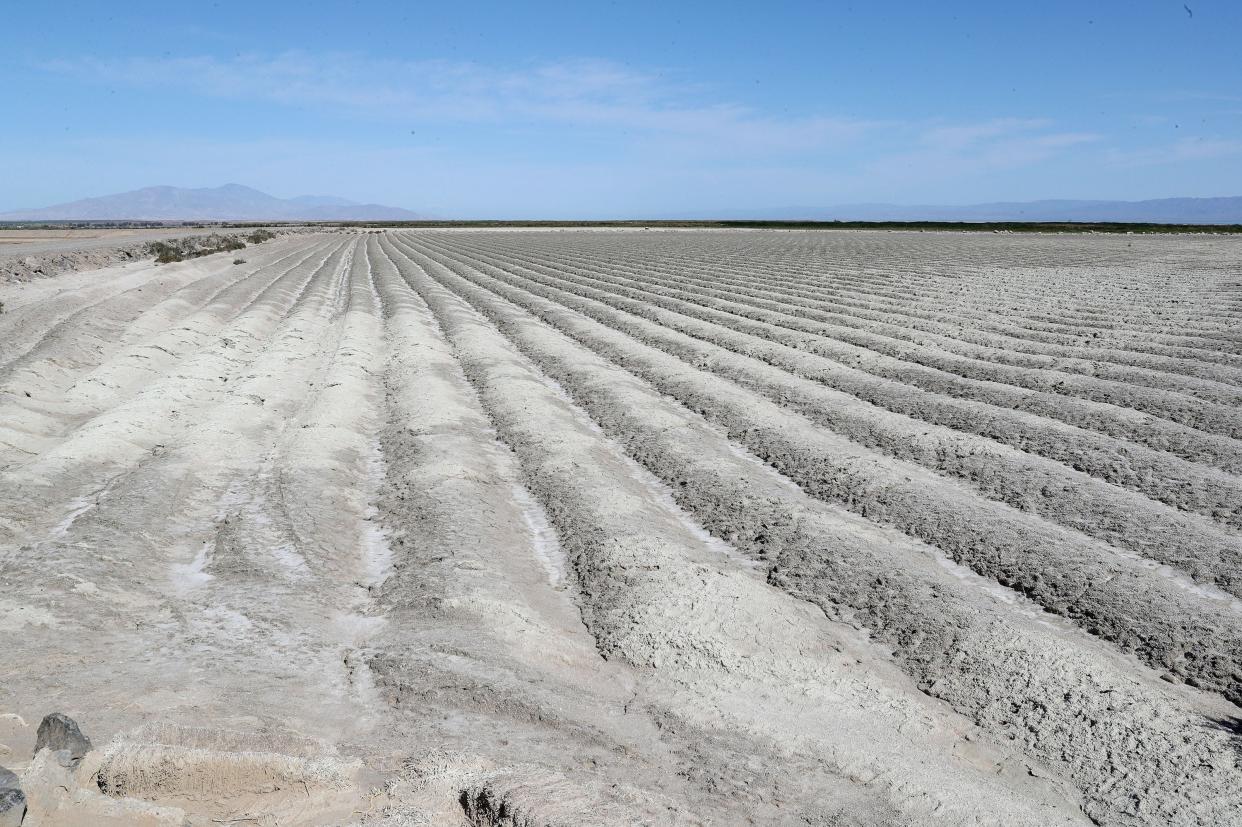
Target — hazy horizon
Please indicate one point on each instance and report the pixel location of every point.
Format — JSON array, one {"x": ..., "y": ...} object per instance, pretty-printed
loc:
[
  {"x": 590, "y": 112},
  {"x": 234, "y": 201}
]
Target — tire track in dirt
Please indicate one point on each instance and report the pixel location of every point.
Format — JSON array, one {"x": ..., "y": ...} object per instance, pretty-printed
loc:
[
  {"x": 85, "y": 311},
  {"x": 59, "y": 395},
  {"x": 143, "y": 426},
  {"x": 236, "y": 641}
]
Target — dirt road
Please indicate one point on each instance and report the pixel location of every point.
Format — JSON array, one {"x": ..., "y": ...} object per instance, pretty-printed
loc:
[{"x": 625, "y": 527}]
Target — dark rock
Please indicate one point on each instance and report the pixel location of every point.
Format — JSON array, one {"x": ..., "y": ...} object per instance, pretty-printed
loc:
[
  {"x": 59, "y": 733},
  {"x": 12, "y": 800}
]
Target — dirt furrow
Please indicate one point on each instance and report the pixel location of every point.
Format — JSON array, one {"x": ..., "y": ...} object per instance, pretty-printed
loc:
[
  {"x": 736, "y": 637},
  {"x": 114, "y": 299},
  {"x": 905, "y": 294},
  {"x": 1047, "y": 297},
  {"x": 57, "y": 418},
  {"x": 920, "y": 365},
  {"x": 110, "y": 444},
  {"x": 1185, "y": 486},
  {"x": 1167, "y": 623},
  {"x": 896, "y": 304},
  {"x": 30, "y": 311},
  {"x": 1081, "y": 707},
  {"x": 1210, "y": 382},
  {"x": 1197, "y": 546},
  {"x": 1169, "y": 479},
  {"x": 603, "y": 526},
  {"x": 1121, "y": 423},
  {"x": 185, "y": 556},
  {"x": 481, "y": 632},
  {"x": 50, "y": 397}
]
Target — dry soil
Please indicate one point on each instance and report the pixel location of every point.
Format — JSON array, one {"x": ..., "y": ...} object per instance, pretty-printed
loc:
[{"x": 463, "y": 527}]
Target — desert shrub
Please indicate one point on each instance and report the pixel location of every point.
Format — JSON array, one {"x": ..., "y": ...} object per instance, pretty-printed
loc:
[
  {"x": 260, "y": 235},
  {"x": 239, "y": 261},
  {"x": 179, "y": 249},
  {"x": 218, "y": 243},
  {"x": 164, "y": 252}
]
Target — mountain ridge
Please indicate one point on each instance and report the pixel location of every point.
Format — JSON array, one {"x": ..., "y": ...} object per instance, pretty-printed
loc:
[
  {"x": 236, "y": 202},
  {"x": 229, "y": 202}
]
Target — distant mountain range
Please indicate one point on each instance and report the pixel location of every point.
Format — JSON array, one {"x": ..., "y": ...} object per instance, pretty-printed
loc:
[
  {"x": 1160, "y": 211},
  {"x": 231, "y": 202},
  {"x": 234, "y": 202}
]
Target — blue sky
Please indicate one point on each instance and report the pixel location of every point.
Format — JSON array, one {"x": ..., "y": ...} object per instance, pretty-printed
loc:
[{"x": 627, "y": 108}]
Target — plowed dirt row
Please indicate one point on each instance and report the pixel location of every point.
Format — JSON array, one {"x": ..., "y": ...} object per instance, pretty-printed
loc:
[
  {"x": 613, "y": 528},
  {"x": 727, "y": 282}
]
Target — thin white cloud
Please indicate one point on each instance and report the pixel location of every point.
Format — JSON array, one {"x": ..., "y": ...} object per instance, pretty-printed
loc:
[
  {"x": 947, "y": 152},
  {"x": 658, "y": 123},
  {"x": 966, "y": 136},
  {"x": 1183, "y": 151},
  {"x": 587, "y": 93}
]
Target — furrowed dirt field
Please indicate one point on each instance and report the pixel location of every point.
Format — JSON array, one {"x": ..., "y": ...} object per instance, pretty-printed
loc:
[{"x": 594, "y": 527}]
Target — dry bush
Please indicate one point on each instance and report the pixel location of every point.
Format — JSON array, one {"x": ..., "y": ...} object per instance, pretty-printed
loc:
[{"x": 180, "y": 249}]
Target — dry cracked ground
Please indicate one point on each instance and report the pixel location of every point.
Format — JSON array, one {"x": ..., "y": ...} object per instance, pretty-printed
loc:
[{"x": 596, "y": 527}]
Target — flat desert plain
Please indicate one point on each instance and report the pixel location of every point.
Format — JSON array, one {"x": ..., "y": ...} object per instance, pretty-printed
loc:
[
  {"x": 615, "y": 527},
  {"x": 31, "y": 241}
]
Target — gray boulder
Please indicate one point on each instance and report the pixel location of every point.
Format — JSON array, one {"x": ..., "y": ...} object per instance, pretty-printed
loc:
[
  {"x": 12, "y": 800},
  {"x": 60, "y": 733}
]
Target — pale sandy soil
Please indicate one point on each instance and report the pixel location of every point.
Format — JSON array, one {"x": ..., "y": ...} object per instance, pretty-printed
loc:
[
  {"x": 27, "y": 255},
  {"x": 26, "y": 242},
  {"x": 612, "y": 528}
]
